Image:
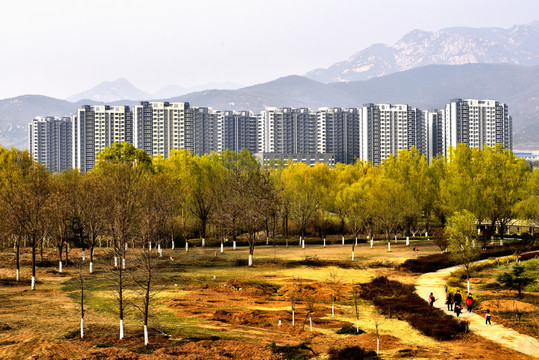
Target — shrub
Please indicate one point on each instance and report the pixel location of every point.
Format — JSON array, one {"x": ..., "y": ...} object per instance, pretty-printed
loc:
[
  {"x": 71, "y": 334},
  {"x": 291, "y": 352},
  {"x": 352, "y": 353},
  {"x": 349, "y": 330},
  {"x": 396, "y": 299}
]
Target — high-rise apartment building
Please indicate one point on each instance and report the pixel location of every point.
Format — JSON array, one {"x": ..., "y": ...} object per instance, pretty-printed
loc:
[
  {"x": 95, "y": 128},
  {"x": 49, "y": 142},
  {"x": 432, "y": 139},
  {"x": 385, "y": 129},
  {"x": 338, "y": 133},
  {"x": 238, "y": 130},
  {"x": 476, "y": 123},
  {"x": 207, "y": 130},
  {"x": 160, "y": 127},
  {"x": 289, "y": 131}
]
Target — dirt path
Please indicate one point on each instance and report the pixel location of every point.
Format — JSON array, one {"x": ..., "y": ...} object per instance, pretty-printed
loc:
[{"x": 435, "y": 282}]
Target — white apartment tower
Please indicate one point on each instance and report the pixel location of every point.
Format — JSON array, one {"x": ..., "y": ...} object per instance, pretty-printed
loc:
[
  {"x": 238, "y": 130},
  {"x": 476, "y": 123},
  {"x": 95, "y": 128},
  {"x": 207, "y": 131},
  {"x": 385, "y": 129},
  {"x": 289, "y": 131},
  {"x": 49, "y": 142},
  {"x": 160, "y": 127}
]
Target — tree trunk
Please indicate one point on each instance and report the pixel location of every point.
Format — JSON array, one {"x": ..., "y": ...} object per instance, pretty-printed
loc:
[
  {"x": 33, "y": 286},
  {"x": 17, "y": 252}
]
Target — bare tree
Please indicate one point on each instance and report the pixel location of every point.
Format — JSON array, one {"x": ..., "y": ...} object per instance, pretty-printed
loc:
[
  {"x": 334, "y": 281},
  {"x": 356, "y": 297},
  {"x": 294, "y": 297}
]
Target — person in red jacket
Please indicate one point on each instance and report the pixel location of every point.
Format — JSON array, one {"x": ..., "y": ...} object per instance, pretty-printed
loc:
[
  {"x": 431, "y": 299},
  {"x": 469, "y": 302}
]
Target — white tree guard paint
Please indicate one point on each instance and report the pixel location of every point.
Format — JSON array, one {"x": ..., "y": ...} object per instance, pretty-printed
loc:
[
  {"x": 145, "y": 335},
  {"x": 123, "y": 263},
  {"x": 83, "y": 255},
  {"x": 267, "y": 240},
  {"x": 372, "y": 243},
  {"x": 250, "y": 260},
  {"x": 333, "y": 310},
  {"x": 160, "y": 252},
  {"x": 303, "y": 244},
  {"x": 311, "y": 323},
  {"x": 203, "y": 242},
  {"x": 357, "y": 326},
  {"x": 324, "y": 242},
  {"x": 126, "y": 246},
  {"x": 293, "y": 319},
  {"x": 91, "y": 267},
  {"x": 121, "y": 329},
  {"x": 159, "y": 247},
  {"x": 389, "y": 246},
  {"x": 299, "y": 240},
  {"x": 377, "y": 346},
  {"x": 60, "y": 267},
  {"x": 222, "y": 248},
  {"x": 395, "y": 239},
  {"x": 150, "y": 246},
  {"x": 172, "y": 244},
  {"x": 426, "y": 233},
  {"x": 33, "y": 286},
  {"x": 81, "y": 328},
  {"x": 407, "y": 241},
  {"x": 501, "y": 242},
  {"x": 353, "y": 253},
  {"x": 356, "y": 241},
  {"x": 115, "y": 262},
  {"x": 234, "y": 245},
  {"x": 343, "y": 240},
  {"x": 186, "y": 247},
  {"x": 18, "y": 275}
]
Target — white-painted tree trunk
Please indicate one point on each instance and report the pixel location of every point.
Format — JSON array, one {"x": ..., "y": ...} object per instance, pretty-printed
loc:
[
  {"x": 60, "y": 267},
  {"x": 126, "y": 246},
  {"x": 407, "y": 241},
  {"x": 377, "y": 346},
  {"x": 158, "y": 248},
  {"x": 121, "y": 329},
  {"x": 81, "y": 328},
  {"x": 353, "y": 253},
  {"x": 395, "y": 239},
  {"x": 186, "y": 247},
  {"x": 83, "y": 255},
  {"x": 250, "y": 260},
  {"x": 300, "y": 240},
  {"x": 302, "y": 243},
  {"x": 324, "y": 242},
  {"x": 123, "y": 263},
  {"x": 343, "y": 240},
  {"x": 267, "y": 240},
  {"x": 372, "y": 243},
  {"x": 355, "y": 242},
  {"x": 389, "y": 246},
  {"x": 150, "y": 246},
  {"x": 172, "y": 245},
  {"x": 33, "y": 286},
  {"x": 203, "y": 242},
  {"x": 18, "y": 275},
  {"x": 426, "y": 234},
  {"x": 293, "y": 320},
  {"x": 145, "y": 335},
  {"x": 333, "y": 310},
  {"x": 357, "y": 326},
  {"x": 160, "y": 252},
  {"x": 478, "y": 231},
  {"x": 501, "y": 242},
  {"x": 91, "y": 267},
  {"x": 222, "y": 248},
  {"x": 311, "y": 323},
  {"x": 234, "y": 245}
]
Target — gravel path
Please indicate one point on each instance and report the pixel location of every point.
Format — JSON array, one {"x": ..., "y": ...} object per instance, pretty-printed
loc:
[{"x": 435, "y": 282}]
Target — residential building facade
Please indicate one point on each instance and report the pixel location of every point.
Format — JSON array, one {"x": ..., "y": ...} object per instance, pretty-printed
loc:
[{"x": 50, "y": 141}]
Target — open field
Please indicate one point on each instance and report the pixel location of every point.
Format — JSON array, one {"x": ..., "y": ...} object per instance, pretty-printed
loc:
[{"x": 209, "y": 305}]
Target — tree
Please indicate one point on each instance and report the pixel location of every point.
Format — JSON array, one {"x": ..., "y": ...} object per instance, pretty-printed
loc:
[
  {"x": 516, "y": 279},
  {"x": 461, "y": 234},
  {"x": 334, "y": 281},
  {"x": 123, "y": 208},
  {"x": 24, "y": 192}
]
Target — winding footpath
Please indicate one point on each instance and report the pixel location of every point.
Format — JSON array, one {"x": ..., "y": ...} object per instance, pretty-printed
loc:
[{"x": 434, "y": 282}]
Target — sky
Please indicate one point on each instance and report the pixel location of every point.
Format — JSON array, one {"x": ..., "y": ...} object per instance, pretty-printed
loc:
[{"x": 61, "y": 47}]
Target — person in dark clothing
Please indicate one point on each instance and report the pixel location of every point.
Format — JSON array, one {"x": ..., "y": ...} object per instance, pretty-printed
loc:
[
  {"x": 487, "y": 317},
  {"x": 458, "y": 309},
  {"x": 449, "y": 300},
  {"x": 432, "y": 299},
  {"x": 457, "y": 300}
]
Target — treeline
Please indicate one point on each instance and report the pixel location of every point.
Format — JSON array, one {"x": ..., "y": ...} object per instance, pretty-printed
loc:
[{"x": 131, "y": 199}]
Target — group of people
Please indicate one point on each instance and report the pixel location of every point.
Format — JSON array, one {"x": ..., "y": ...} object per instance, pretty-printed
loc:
[{"x": 456, "y": 300}]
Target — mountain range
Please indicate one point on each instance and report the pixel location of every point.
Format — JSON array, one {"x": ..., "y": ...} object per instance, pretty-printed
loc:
[
  {"x": 518, "y": 45},
  {"x": 423, "y": 69}
]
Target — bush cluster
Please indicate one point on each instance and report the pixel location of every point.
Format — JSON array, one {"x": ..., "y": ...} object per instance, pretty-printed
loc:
[{"x": 400, "y": 300}]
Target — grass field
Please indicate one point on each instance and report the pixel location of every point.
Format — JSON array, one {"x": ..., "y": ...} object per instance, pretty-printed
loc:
[{"x": 210, "y": 305}]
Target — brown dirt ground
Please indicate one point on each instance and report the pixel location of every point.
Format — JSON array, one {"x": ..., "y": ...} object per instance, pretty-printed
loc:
[{"x": 32, "y": 325}]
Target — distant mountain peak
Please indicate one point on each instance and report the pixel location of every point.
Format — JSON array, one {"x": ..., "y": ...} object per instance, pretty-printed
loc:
[
  {"x": 452, "y": 46},
  {"x": 110, "y": 91}
]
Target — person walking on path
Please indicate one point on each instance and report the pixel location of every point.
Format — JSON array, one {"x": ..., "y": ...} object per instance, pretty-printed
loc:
[
  {"x": 458, "y": 309},
  {"x": 457, "y": 300},
  {"x": 469, "y": 302},
  {"x": 487, "y": 317},
  {"x": 431, "y": 299},
  {"x": 449, "y": 300}
]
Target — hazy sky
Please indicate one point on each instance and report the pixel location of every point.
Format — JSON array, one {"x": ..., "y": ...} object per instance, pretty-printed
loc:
[{"x": 61, "y": 47}]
